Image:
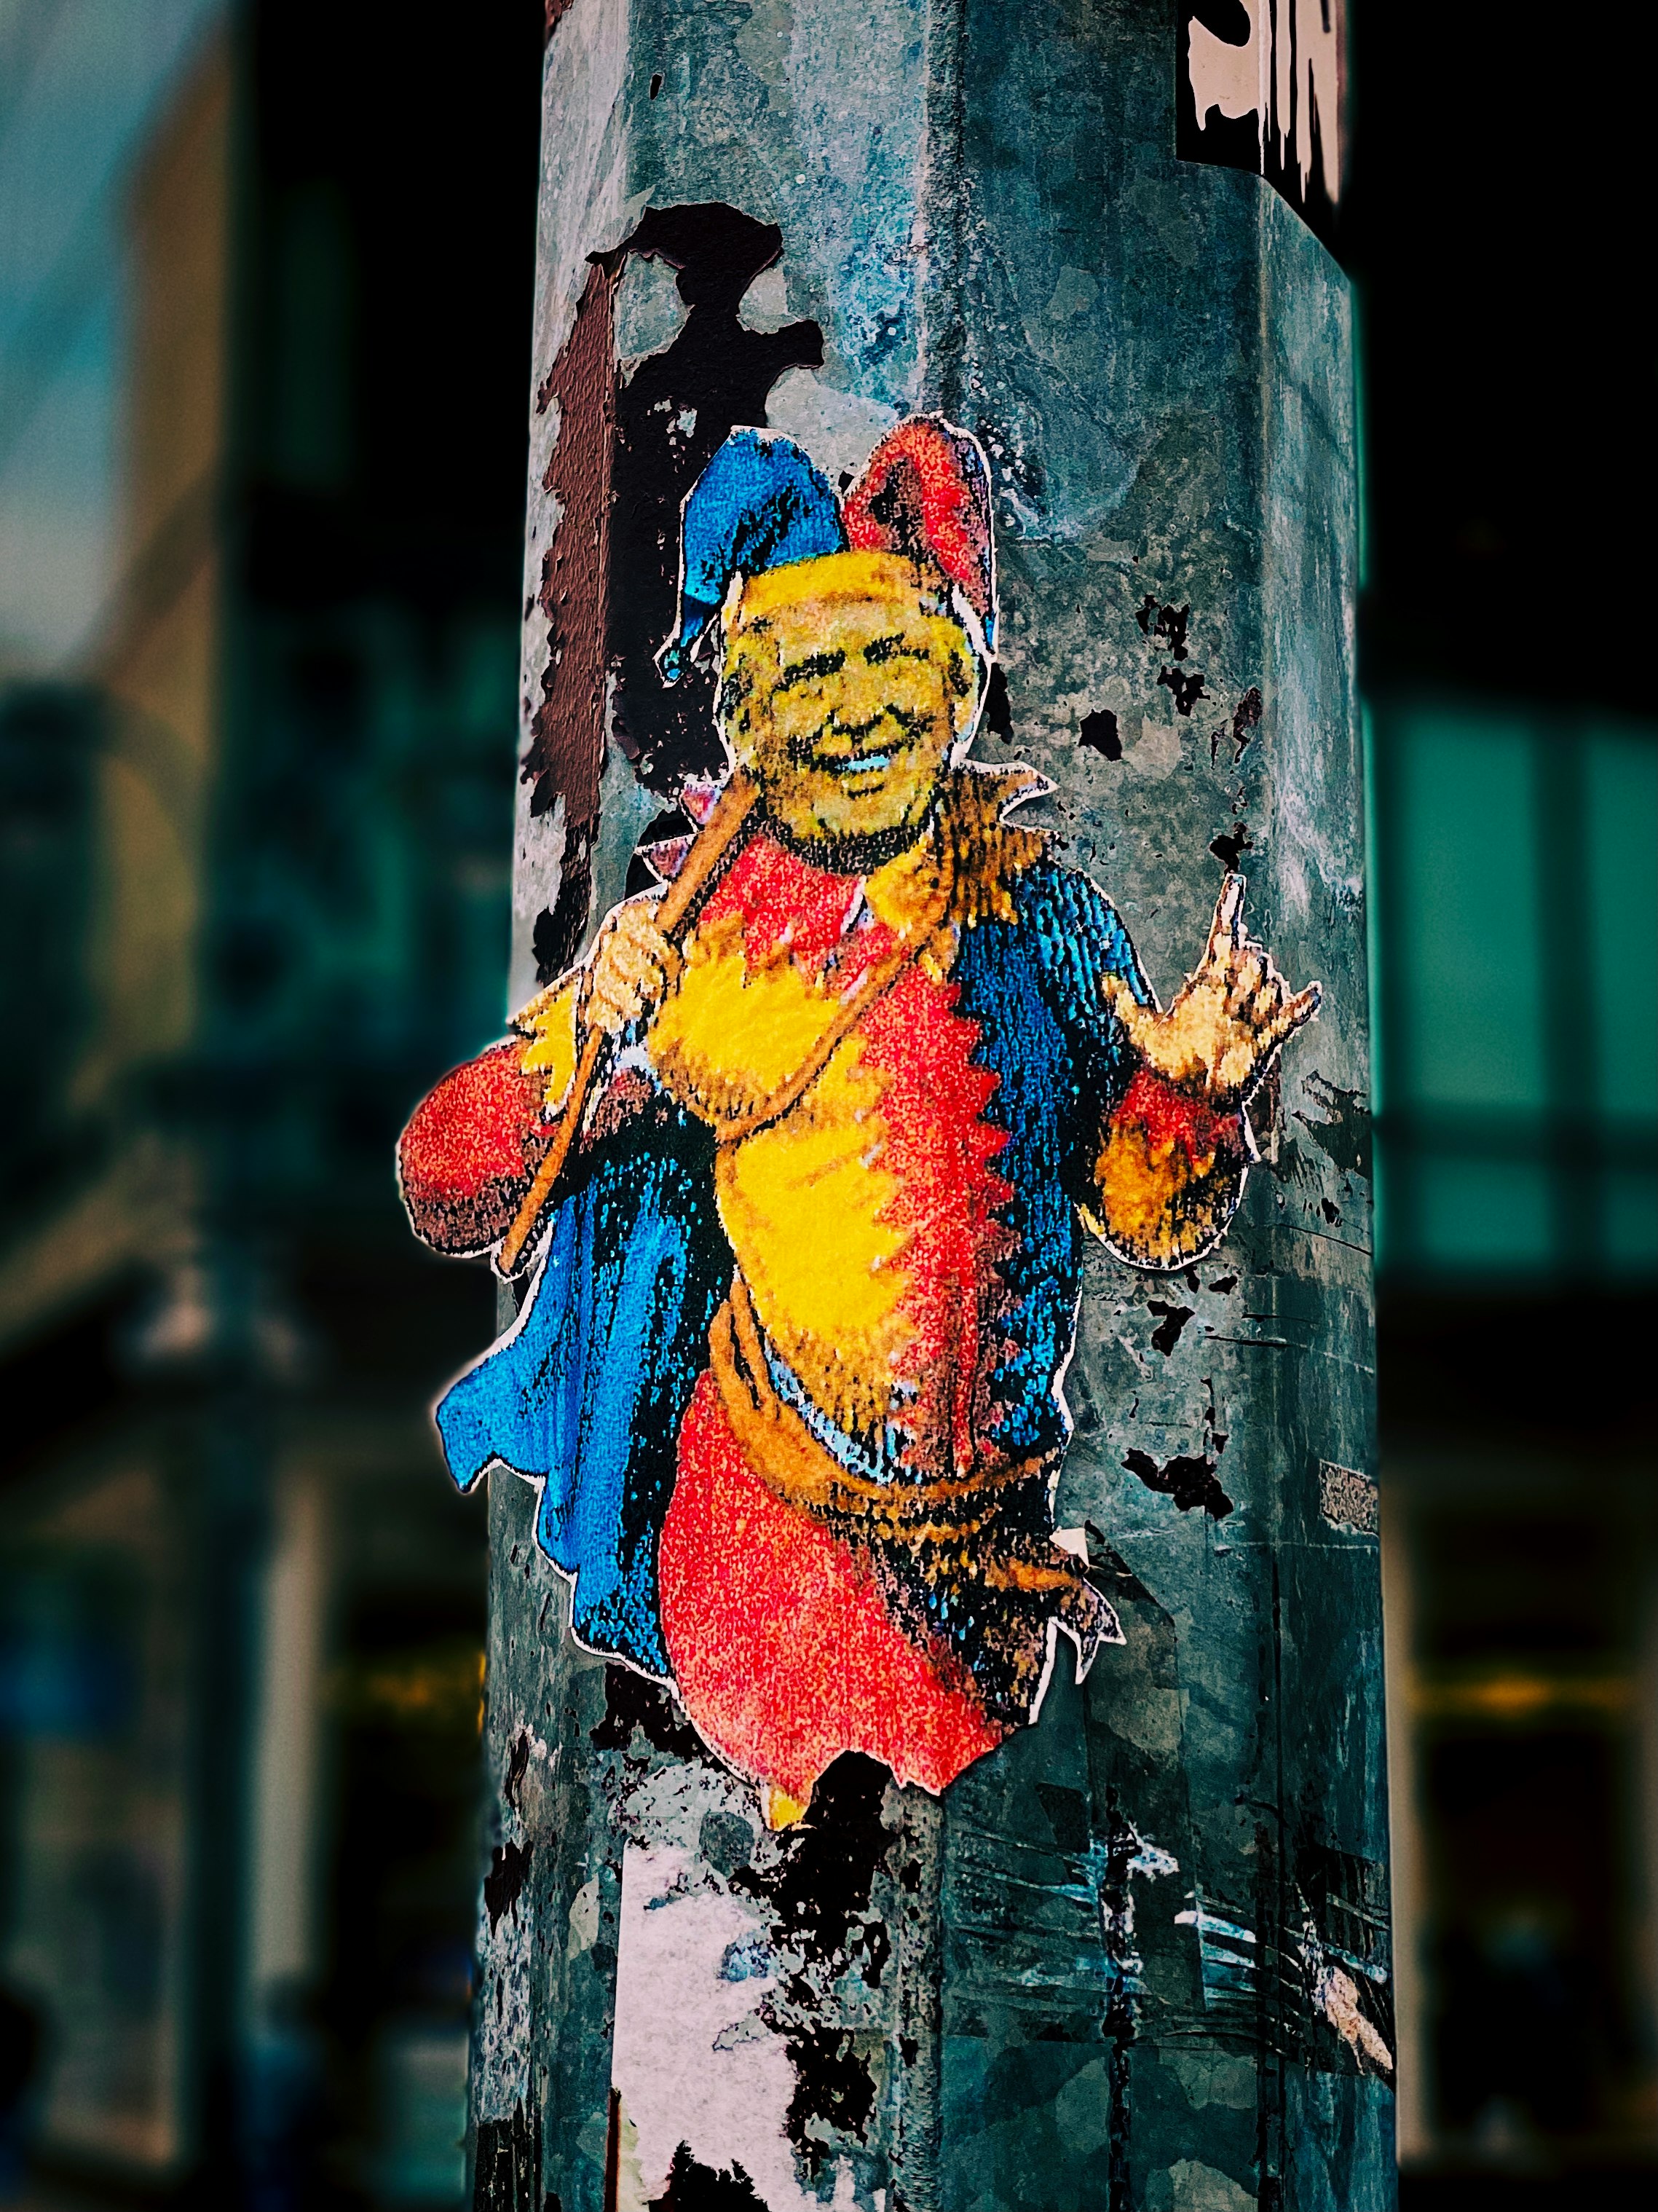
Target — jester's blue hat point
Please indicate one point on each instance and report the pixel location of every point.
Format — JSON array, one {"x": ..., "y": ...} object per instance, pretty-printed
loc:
[{"x": 763, "y": 504}]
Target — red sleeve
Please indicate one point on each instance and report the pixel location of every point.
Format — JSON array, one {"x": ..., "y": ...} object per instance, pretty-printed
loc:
[{"x": 466, "y": 1157}]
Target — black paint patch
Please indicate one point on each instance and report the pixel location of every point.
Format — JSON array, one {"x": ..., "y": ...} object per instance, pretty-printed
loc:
[
  {"x": 509, "y": 1869},
  {"x": 821, "y": 1887},
  {"x": 671, "y": 416},
  {"x": 998, "y": 707},
  {"x": 517, "y": 1767},
  {"x": 1167, "y": 622},
  {"x": 1230, "y": 848},
  {"x": 1167, "y": 1335},
  {"x": 1223, "y": 1284},
  {"x": 1189, "y": 1479},
  {"x": 1067, "y": 1816},
  {"x": 630, "y": 1703},
  {"x": 508, "y": 2163},
  {"x": 1100, "y": 733},
  {"x": 832, "y": 2083},
  {"x": 558, "y": 928},
  {"x": 819, "y": 1891},
  {"x": 1345, "y": 1136},
  {"x": 693, "y": 2187},
  {"x": 673, "y": 822},
  {"x": 1186, "y": 686}
]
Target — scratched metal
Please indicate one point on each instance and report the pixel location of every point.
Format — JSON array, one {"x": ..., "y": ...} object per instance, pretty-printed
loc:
[{"x": 1139, "y": 1957}]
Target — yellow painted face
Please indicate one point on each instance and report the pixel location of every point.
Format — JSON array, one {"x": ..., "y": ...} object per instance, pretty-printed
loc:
[{"x": 845, "y": 686}]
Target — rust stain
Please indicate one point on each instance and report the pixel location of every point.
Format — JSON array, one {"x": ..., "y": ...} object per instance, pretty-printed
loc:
[{"x": 566, "y": 756}]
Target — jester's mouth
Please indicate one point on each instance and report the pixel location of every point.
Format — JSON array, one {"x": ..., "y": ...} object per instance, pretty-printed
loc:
[{"x": 837, "y": 748}]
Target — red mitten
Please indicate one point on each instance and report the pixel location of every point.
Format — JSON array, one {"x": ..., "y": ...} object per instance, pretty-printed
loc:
[{"x": 466, "y": 1157}]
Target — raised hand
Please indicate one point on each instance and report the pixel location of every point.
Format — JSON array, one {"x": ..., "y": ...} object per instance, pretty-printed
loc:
[
  {"x": 634, "y": 966},
  {"x": 1229, "y": 1018}
]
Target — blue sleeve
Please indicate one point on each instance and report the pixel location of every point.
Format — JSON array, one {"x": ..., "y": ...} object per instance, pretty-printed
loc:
[{"x": 1079, "y": 941}]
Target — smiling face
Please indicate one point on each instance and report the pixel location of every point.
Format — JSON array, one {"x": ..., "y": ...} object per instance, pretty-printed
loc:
[{"x": 845, "y": 687}]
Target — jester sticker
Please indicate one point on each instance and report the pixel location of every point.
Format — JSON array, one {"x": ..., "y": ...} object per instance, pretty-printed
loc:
[{"x": 799, "y": 1163}]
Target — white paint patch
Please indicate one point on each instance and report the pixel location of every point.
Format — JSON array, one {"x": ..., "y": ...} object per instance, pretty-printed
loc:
[
  {"x": 694, "y": 2061},
  {"x": 584, "y": 1919},
  {"x": 1156, "y": 753},
  {"x": 1074, "y": 294},
  {"x": 837, "y": 429},
  {"x": 536, "y": 864},
  {"x": 766, "y": 303},
  {"x": 1237, "y": 80}
]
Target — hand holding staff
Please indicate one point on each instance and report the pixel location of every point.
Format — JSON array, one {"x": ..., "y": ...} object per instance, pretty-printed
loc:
[{"x": 630, "y": 975}]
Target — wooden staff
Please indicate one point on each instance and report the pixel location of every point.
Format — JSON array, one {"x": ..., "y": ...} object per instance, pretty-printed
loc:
[{"x": 714, "y": 844}]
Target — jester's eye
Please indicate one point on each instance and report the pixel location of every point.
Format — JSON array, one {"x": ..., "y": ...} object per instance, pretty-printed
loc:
[
  {"x": 811, "y": 670},
  {"x": 895, "y": 647},
  {"x": 735, "y": 687}
]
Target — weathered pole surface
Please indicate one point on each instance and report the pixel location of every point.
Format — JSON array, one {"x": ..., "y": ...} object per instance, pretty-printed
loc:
[{"x": 1135, "y": 1956}]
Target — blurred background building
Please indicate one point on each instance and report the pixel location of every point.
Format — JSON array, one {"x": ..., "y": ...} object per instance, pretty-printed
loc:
[
  {"x": 264, "y": 298},
  {"x": 265, "y": 283},
  {"x": 1509, "y": 459}
]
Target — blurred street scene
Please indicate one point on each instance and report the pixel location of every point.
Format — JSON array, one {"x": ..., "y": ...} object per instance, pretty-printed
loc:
[
  {"x": 265, "y": 292},
  {"x": 265, "y": 284}
]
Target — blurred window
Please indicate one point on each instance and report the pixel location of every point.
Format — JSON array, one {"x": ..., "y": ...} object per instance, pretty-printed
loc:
[{"x": 1517, "y": 1017}]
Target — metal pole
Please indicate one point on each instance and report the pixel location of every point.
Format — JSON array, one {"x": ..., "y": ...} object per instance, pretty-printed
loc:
[{"x": 1136, "y": 1955}]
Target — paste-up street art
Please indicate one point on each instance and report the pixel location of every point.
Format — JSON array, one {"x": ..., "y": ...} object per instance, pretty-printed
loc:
[{"x": 798, "y": 1165}]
